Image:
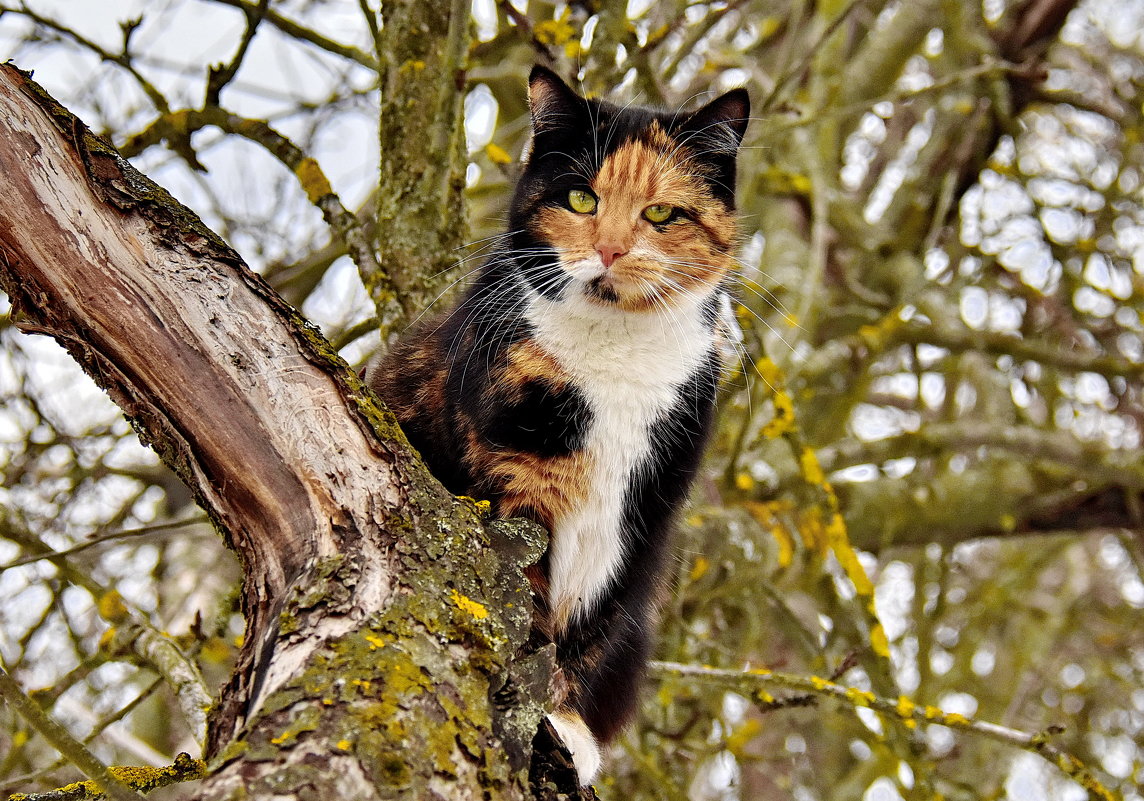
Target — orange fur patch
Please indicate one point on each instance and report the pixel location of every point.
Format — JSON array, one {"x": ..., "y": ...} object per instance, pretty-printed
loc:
[
  {"x": 528, "y": 361},
  {"x": 543, "y": 488}
]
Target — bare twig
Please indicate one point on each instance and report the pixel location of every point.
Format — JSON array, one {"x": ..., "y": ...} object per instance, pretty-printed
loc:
[
  {"x": 131, "y": 632},
  {"x": 221, "y": 75},
  {"x": 302, "y": 33},
  {"x": 122, "y": 59},
  {"x": 102, "y": 538}
]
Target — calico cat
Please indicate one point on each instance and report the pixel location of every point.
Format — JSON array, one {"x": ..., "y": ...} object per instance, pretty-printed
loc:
[{"x": 574, "y": 382}]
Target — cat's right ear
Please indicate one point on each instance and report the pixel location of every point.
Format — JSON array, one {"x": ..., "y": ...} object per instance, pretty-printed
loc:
[{"x": 554, "y": 106}]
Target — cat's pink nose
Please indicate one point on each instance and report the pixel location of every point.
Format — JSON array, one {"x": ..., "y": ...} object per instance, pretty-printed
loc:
[{"x": 609, "y": 252}]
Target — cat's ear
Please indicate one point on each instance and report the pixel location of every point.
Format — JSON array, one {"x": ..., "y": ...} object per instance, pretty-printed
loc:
[
  {"x": 719, "y": 126},
  {"x": 552, "y": 103}
]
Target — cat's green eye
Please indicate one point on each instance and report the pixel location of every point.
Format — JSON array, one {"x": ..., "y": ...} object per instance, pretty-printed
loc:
[
  {"x": 658, "y": 213},
  {"x": 582, "y": 202}
]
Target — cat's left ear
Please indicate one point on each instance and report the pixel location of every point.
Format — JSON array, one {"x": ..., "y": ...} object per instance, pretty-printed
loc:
[
  {"x": 719, "y": 126},
  {"x": 553, "y": 104}
]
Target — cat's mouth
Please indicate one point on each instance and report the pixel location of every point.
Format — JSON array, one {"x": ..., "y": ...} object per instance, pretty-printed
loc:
[
  {"x": 605, "y": 290},
  {"x": 625, "y": 287},
  {"x": 601, "y": 288}
]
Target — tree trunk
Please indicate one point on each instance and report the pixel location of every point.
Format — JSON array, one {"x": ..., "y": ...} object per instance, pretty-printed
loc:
[{"x": 387, "y": 624}]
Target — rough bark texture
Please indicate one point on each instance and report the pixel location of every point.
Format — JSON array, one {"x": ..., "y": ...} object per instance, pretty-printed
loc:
[
  {"x": 420, "y": 212},
  {"x": 385, "y": 651}
]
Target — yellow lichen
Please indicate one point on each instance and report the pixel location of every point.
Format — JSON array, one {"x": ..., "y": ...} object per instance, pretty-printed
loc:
[
  {"x": 769, "y": 372},
  {"x": 770, "y": 26},
  {"x": 215, "y": 650},
  {"x": 742, "y": 735},
  {"x": 812, "y": 531},
  {"x": 905, "y": 710},
  {"x": 313, "y": 180},
  {"x": 878, "y": 335},
  {"x": 785, "y": 542},
  {"x": 699, "y": 569},
  {"x": 879, "y": 642},
  {"x": 811, "y": 470},
  {"x": 111, "y": 607},
  {"x": 497, "y": 154},
  {"x": 466, "y": 604},
  {"x": 555, "y": 31},
  {"x": 782, "y": 420},
  {"x": 784, "y": 182},
  {"x": 844, "y": 552}
]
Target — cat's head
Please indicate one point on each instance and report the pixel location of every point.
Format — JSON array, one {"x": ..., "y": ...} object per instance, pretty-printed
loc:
[{"x": 630, "y": 207}]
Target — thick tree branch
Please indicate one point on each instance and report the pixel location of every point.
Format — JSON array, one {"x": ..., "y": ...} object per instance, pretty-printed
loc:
[
  {"x": 384, "y": 636},
  {"x": 353, "y": 233},
  {"x": 421, "y": 212}
]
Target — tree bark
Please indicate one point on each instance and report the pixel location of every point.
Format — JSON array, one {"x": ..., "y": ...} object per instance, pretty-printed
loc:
[{"x": 387, "y": 624}]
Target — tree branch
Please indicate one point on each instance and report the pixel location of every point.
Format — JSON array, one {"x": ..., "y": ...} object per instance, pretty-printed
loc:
[
  {"x": 59, "y": 737},
  {"x": 304, "y": 34},
  {"x": 755, "y": 685},
  {"x": 386, "y": 621}
]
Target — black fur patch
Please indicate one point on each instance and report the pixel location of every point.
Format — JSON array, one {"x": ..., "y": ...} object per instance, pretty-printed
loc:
[
  {"x": 544, "y": 420},
  {"x": 601, "y": 290}
]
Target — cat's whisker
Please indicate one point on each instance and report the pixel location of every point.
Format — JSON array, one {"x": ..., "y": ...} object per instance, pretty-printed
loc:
[
  {"x": 505, "y": 235},
  {"x": 762, "y": 293},
  {"x": 752, "y": 312}
]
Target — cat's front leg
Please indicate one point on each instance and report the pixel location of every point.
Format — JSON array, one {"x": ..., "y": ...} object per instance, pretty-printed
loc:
[{"x": 579, "y": 741}]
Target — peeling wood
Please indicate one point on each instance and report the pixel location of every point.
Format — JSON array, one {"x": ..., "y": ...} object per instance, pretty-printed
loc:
[{"x": 359, "y": 677}]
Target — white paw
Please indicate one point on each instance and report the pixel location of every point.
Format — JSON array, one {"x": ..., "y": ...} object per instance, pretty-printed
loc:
[{"x": 579, "y": 740}]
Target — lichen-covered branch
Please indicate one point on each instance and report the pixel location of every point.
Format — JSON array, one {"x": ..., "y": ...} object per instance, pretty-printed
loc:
[
  {"x": 140, "y": 778},
  {"x": 386, "y": 620},
  {"x": 59, "y": 737},
  {"x": 421, "y": 211},
  {"x": 756, "y": 684}
]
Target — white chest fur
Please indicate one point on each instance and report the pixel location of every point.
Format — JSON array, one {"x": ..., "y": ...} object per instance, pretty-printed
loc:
[{"x": 629, "y": 366}]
